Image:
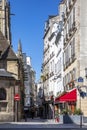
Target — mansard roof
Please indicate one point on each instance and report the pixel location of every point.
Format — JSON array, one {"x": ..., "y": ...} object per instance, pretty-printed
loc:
[{"x": 6, "y": 51}]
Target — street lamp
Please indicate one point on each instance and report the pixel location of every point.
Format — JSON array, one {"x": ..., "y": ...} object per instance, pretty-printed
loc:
[
  {"x": 80, "y": 80},
  {"x": 86, "y": 78}
]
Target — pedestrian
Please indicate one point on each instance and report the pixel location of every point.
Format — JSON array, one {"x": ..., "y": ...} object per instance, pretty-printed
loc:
[
  {"x": 25, "y": 115},
  {"x": 32, "y": 112}
]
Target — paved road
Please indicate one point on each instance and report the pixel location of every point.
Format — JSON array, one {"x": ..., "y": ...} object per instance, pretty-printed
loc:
[
  {"x": 39, "y": 127},
  {"x": 36, "y": 124}
]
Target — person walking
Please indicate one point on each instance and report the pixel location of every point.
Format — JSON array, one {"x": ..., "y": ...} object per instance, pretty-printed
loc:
[
  {"x": 25, "y": 115},
  {"x": 32, "y": 112}
]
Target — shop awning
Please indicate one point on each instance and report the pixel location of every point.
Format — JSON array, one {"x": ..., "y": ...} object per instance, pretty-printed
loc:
[{"x": 68, "y": 97}]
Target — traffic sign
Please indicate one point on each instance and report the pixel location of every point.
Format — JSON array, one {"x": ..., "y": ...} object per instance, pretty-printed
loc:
[
  {"x": 80, "y": 79},
  {"x": 16, "y": 97}
]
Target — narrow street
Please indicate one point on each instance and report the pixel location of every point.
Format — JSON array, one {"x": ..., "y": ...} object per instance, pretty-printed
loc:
[
  {"x": 36, "y": 123},
  {"x": 46, "y": 75}
]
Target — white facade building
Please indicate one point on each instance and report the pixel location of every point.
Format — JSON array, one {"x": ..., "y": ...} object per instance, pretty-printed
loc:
[
  {"x": 50, "y": 55},
  {"x": 26, "y": 82},
  {"x": 53, "y": 60},
  {"x": 29, "y": 81},
  {"x": 58, "y": 79},
  {"x": 39, "y": 93}
]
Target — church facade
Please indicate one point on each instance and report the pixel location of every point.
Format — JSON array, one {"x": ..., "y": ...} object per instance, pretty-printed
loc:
[{"x": 11, "y": 70}]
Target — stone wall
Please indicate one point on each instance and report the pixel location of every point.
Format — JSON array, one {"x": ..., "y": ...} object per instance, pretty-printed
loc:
[
  {"x": 6, "y": 117},
  {"x": 7, "y": 112},
  {"x": 12, "y": 66}
]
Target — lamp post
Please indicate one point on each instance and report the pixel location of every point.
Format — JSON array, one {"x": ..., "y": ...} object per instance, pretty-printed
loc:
[
  {"x": 16, "y": 98},
  {"x": 80, "y": 80},
  {"x": 86, "y": 78}
]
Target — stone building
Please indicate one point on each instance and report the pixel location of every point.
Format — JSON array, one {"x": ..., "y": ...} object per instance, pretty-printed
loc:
[
  {"x": 5, "y": 13},
  {"x": 7, "y": 90},
  {"x": 28, "y": 80},
  {"x": 75, "y": 53},
  {"x": 8, "y": 59},
  {"x": 20, "y": 77},
  {"x": 39, "y": 99},
  {"x": 52, "y": 62},
  {"x": 59, "y": 73},
  {"x": 74, "y": 65},
  {"x": 14, "y": 65},
  {"x": 10, "y": 63}
]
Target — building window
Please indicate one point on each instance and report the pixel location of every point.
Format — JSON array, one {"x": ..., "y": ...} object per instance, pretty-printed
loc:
[
  {"x": 74, "y": 14},
  {"x": 3, "y": 105},
  {"x": 64, "y": 60},
  {"x": 51, "y": 66},
  {"x": 70, "y": 51},
  {"x": 74, "y": 73},
  {"x": 56, "y": 68},
  {"x": 73, "y": 48},
  {"x": 68, "y": 77},
  {"x": 66, "y": 56},
  {"x": 2, "y": 94}
]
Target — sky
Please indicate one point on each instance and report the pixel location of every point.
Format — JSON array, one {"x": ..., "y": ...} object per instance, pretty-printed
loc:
[{"x": 27, "y": 25}]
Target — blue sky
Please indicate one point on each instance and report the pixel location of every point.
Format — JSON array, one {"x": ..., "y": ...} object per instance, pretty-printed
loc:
[{"x": 28, "y": 26}]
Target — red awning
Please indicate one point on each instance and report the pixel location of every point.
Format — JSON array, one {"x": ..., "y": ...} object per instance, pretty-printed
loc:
[{"x": 67, "y": 97}]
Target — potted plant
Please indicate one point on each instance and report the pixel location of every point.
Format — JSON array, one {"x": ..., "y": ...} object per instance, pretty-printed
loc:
[{"x": 77, "y": 111}]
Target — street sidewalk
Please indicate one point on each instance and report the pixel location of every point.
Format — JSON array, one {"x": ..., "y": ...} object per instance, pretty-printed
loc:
[
  {"x": 38, "y": 120},
  {"x": 39, "y": 123},
  {"x": 52, "y": 123}
]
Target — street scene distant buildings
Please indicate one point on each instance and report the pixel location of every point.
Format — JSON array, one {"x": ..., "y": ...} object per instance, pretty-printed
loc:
[{"x": 62, "y": 86}]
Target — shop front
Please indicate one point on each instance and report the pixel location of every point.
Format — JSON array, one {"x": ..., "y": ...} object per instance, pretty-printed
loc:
[{"x": 67, "y": 101}]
